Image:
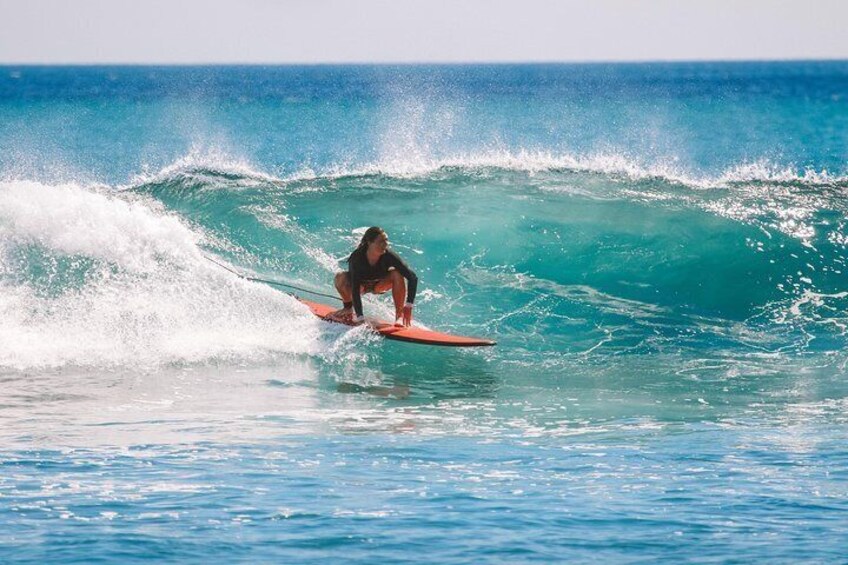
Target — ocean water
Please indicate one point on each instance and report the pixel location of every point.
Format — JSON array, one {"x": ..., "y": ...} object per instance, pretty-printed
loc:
[{"x": 659, "y": 250}]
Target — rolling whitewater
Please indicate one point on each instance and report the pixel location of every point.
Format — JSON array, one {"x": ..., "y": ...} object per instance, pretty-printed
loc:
[{"x": 659, "y": 251}]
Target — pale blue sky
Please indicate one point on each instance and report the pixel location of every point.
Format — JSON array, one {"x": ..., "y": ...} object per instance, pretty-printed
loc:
[{"x": 339, "y": 31}]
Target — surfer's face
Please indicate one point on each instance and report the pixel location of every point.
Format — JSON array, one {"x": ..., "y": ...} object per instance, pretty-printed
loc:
[{"x": 380, "y": 244}]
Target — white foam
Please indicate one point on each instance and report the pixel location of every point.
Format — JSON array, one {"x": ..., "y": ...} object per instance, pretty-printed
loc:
[
  {"x": 407, "y": 154},
  {"x": 419, "y": 163},
  {"x": 767, "y": 172},
  {"x": 204, "y": 159},
  {"x": 147, "y": 297},
  {"x": 72, "y": 220}
]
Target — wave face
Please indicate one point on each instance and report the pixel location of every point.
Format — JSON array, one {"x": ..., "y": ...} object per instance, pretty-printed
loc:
[{"x": 620, "y": 245}]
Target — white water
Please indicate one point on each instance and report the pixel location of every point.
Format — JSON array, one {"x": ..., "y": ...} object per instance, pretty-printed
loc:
[{"x": 143, "y": 295}]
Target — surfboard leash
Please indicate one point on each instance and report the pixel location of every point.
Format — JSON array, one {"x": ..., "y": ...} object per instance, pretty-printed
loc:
[{"x": 266, "y": 281}]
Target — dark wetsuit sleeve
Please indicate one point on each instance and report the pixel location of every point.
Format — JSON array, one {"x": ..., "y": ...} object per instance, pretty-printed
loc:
[
  {"x": 408, "y": 274},
  {"x": 355, "y": 284}
]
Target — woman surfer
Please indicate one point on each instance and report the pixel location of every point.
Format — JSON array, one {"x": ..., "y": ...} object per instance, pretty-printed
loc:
[{"x": 373, "y": 267}]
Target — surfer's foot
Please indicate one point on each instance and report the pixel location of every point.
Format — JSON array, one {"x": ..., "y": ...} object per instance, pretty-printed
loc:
[
  {"x": 344, "y": 315},
  {"x": 399, "y": 320}
]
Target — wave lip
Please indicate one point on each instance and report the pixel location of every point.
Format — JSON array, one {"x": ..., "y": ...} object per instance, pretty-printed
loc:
[
  {"x": 200, "y": 163},
  {"x": 766, "y": 172},
  {"x": 211, "y": 169},
  {"x": 535, "y": 162}
]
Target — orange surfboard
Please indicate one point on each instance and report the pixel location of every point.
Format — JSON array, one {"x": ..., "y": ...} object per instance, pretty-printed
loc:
[{"x": 410, "y": 334}]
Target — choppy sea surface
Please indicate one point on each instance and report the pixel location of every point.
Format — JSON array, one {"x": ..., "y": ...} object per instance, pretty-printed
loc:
[{"x": 659, "y": 250}]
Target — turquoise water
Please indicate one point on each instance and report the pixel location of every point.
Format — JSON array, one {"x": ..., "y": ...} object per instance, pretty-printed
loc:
[{"x": 659, "y": 250}]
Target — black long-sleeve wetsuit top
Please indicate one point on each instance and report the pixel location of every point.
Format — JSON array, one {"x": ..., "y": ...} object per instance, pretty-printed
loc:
[{"x": 363, "y": 273}]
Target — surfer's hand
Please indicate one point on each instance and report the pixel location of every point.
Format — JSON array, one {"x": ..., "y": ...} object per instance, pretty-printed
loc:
[{"x": 407, "y": 314}]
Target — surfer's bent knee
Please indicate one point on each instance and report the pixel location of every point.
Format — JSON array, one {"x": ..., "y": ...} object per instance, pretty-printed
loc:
[{"x": 342, "y": 280}]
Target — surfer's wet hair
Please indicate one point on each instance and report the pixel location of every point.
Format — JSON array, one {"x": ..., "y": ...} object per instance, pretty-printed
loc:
[{"x": 368, "y": 237}]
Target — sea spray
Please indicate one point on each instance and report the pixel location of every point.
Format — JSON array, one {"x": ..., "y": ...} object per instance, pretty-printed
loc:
[{"x": 91, "y": 279}]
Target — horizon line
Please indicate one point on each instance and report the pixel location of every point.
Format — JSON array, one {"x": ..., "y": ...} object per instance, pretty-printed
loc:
[{"x": 418, "y": 63}]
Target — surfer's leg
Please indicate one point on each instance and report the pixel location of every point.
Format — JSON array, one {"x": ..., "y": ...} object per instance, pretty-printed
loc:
[
  {"x": 381, "y": 286},
  {"x": 342, "y": 283},
  {"x": 397, "y": 284}
]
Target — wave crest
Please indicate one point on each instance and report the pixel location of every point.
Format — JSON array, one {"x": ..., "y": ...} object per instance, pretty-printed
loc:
[
  {"x": 210, "y": 170},
  {"x": 612, "y": 164}
]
